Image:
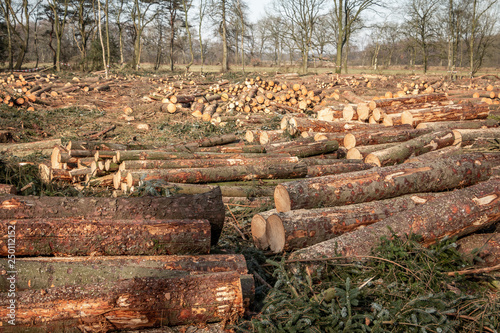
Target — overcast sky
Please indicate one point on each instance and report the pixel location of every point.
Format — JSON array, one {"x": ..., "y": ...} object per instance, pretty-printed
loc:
[{"x": 257, "y": 8}]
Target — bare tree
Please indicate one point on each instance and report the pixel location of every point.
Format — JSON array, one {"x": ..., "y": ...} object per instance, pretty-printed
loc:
[
  {"x": 6, "y": 6},
  {"x": 59, "y": 10},
  {"x": 219, "y": 9},
  {"x": 141, "y": 17},
  {"x": 347, "y": 15},
  {"x": 186, "y": 5},
  {"x": 117, "y": 11},
  {"x": 422, "y": 21},
  {"x": 202, "y": 9},
  {"x": 302, "y": 15},
  {"x": 481, "y": 23},
  {"x": 85, "y": 26}
]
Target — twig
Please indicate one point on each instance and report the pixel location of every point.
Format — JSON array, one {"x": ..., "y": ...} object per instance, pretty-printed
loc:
[
  {"x": 101, "y": 133},
  {"x": 264, "y": 282},
  {"x": 237, "y": 227},
  {"x": 475, "y": 271}
]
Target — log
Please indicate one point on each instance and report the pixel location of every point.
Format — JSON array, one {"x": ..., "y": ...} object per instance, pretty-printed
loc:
[
  {"x": 384, "y": 183},
  {"x": 217, "y": 140},
  {"x": 218, "y": 174},
  {"x": 382, "y": 135},
  {"x": 298, "y": 125},
  {"x": 258, "y": 229},
  {"x": 301, "y": 228},
  {"x": 457, "y": 213},
  {"x": 29, "y": 146},
  {"x": 485, "y": 247},
  {"x": 352, "y": 97},
  {"x": 446, "y": 113},
  {"x": 204, "y": 163},
  {"x": 133, "y": 155},
  {"x": 412, "y": 99},
  {"x": 130, "y": 303},
  {"x": 360, "y": 152},
  {"x": 84, "y": 236},
  {"x": 414, "y": 147},
  {"x": 49, "y": 272},
  {"x": 467, "y": 137},
  {"x": 267, "y": 137},
  {"x": 437, "y": 154},
  {"x": 312, "y": 149},
  {"x": 465, "y": 124},
  {"x": 337, "y": 167},
  {"x": 207, "y": 206}
]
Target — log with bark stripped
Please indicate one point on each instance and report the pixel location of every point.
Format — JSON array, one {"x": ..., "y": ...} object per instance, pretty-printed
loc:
[
  {"x": 207, "y": 206},
  {"x": 301, "y": 228},
  {"x": 384, "y": 183},
  {"x": 457, "y": 213}
]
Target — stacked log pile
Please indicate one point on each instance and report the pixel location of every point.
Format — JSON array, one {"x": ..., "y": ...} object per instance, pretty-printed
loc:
[
  {"x": 128, "y": 263},
  {"x": 421, "y": 164}
]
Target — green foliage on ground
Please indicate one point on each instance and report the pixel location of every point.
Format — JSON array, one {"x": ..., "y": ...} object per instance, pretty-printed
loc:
[{"x": 403, "y": 287}]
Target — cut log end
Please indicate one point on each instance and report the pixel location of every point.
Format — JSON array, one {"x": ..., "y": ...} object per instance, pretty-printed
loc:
[
  {"x": 275, "y": 232},
  {"x": 354, "y": 154},
  {"x": 372, "y": 159},
  {"x": 349, "y": 141},
  {"x": 282, "y": 199},
  {"x": 258, "y": 228}
]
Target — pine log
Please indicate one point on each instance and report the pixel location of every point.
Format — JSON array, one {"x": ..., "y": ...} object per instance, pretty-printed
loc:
[
  {"x": 130, "y": 303},
  {"x": 298, "y": 125},
  {"x": 204, "y": 163},
  {"x": 301, "y": 228},
  {"x": 312, "y": 149},
  {"x": 49, "y": 272},
  {"x": 484, "y": 248},
  {"x": 218, "y": 174},
  {"x": 133, "y": 155},
  {"x": 414, "y": 147},
  {"x": 360, "y": 152},
  {"x": 349, "y": 112},
  {"x": 465, "y": 124},
  {"x": 207, "y": 206},
  {"x": 384, "y": 183},
  {"x": 258, "y": 229},
  {"x": 233, "y": 149},
  {"x": 392, "y": 119},
  {"x": 446, "y": 113},
  {"x": 412, "y": 99},
  {"x": 267, "y": 137},
  {"x": 467, "y": 137},
  {"x": 352, "y": 97},
  {"x": 437, "y": 154},
  {"x": 84, "y": 236},
  {"x": 337, "y": 167},
  {"x": 457, "y": 213},
  {"x": 217, "y": 140},
  {"x": 29, "y": 146},
  {"x": 382, "y": 135}
]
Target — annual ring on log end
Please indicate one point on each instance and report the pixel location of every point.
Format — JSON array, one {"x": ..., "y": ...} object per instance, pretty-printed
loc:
[
  {"x": 372, "y": 159},
  {"x": 258, "y": 229},
  {"x": 354, "y": 154},
  {"x": 349, "y": 141},
  {"x": 282, "y": 199},
  {"x": 275, "y": 233}
]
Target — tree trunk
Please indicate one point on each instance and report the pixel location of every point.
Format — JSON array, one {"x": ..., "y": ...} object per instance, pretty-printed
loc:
[
  {"x": 49, "y": 272},
  {"x": 455, "y": 214},
  {"x": 465, "y": 124},
  {"x": 337, "y": 167},
  {"x": 469, "y": 136},
  {"x": 207, "y": 206},
  {"x": 384, "y": 183},
  {"x": 204, "y": 163},
  {"x": 90, "y": 236},
  {"x": 450, "y": 112},
  {"x": 298, "y": 125},
  {"x": 380, "y": 136},
  {"x": 412, "y": 99},
  {"x": 218, "y": 174},
  {"x": 130, "y": 303},
  {"x": 414, "y": 147},
  {"x": 305, "y": 227}
]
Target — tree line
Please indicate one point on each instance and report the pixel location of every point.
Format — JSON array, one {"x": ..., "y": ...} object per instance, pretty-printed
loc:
[{"x": 98, "y": 34}]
